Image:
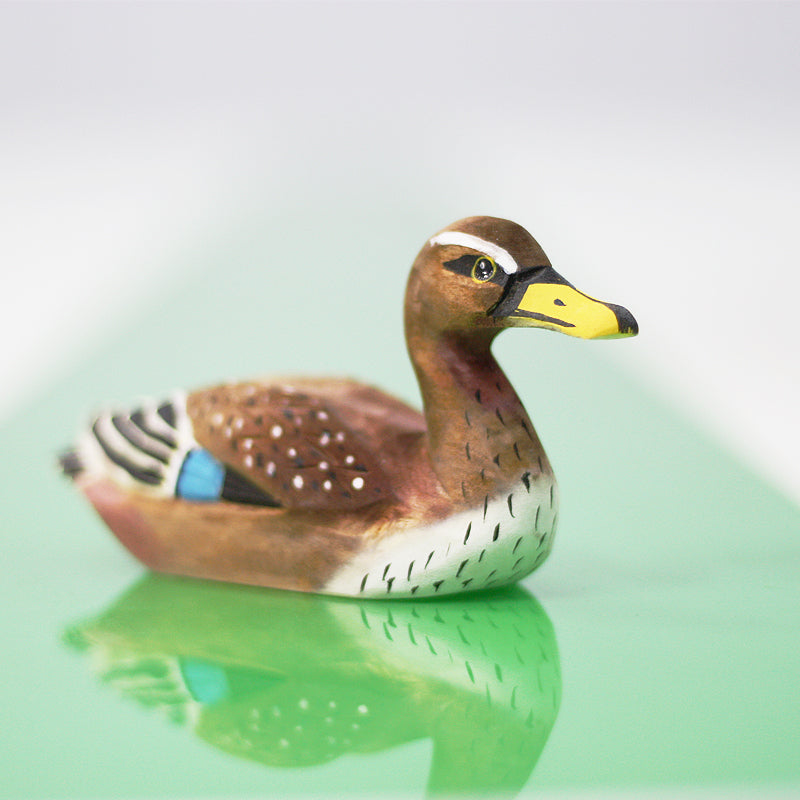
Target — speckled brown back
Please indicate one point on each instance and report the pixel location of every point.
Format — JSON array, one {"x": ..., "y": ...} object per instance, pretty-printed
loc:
[{"x": 294, "y": 445}]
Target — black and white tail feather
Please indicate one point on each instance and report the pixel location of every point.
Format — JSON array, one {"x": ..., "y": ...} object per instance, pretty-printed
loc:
[
  {"x": 153, "y": 450},
  {"x": 142, "y": 449}
]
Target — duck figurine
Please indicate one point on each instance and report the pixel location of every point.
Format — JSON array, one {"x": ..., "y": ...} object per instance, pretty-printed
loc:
[{"x": 332, "y": 486}]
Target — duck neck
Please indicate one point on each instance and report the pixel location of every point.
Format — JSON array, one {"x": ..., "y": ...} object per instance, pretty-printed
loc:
[{"x": 480, "y": 439}]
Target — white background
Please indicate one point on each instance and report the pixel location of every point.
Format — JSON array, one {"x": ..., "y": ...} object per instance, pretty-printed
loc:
[{"x": 653, "y": 147}]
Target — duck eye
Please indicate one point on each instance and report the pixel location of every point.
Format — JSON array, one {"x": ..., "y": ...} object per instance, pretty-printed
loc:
[{"x": 483, "y": 270}]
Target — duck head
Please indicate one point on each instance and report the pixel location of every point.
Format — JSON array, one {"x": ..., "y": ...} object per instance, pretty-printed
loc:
[{"x": 484, "y": 274}]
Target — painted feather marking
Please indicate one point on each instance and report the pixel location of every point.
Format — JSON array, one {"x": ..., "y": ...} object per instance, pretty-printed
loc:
[{"x": 293, "y": 445}]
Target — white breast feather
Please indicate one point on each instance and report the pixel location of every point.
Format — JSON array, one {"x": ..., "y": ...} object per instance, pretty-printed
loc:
[{"x": 467, "y": 551}]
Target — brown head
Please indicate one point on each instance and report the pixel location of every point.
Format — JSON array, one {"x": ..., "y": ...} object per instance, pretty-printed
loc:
[{"x": 482, "y": 274}]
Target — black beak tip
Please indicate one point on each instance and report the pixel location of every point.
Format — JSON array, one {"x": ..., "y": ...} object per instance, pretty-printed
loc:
[{"x": 627, "y": 324}]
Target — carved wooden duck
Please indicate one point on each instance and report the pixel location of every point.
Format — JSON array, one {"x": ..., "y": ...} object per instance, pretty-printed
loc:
[{"x": 332, "y": 486}]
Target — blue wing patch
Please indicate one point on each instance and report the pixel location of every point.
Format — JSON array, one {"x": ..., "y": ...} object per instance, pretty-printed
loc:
[
  {"x": 201, "y": 477},
  {"x": 206, "y": 682}
]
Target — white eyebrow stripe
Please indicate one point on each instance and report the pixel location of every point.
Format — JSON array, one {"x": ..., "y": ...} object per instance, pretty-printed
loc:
[{"x": 495, "y": 252}]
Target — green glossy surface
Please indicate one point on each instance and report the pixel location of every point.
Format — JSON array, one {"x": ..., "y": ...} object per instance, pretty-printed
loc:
[
  {"x": 672, "y": 592},
  {"x": 290, "y": 680}
]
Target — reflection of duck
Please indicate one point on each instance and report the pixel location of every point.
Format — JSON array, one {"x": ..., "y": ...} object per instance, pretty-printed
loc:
[
  {"x": 293, "y": 680},
  {"x": 332, "y": 486}
]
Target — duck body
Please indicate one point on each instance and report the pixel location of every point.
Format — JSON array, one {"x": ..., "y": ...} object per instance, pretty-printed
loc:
[{"x": 331, "y": 486}]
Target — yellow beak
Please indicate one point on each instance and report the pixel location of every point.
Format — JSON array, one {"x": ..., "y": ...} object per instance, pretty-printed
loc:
[{"x": 561, "y": 307}]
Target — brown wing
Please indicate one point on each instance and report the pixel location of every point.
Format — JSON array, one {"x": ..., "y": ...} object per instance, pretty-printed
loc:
[{"x": 302, "y": 448}]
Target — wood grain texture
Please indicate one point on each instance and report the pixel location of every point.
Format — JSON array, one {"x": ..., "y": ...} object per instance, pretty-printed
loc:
[{"x": 298, "y": 550}]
